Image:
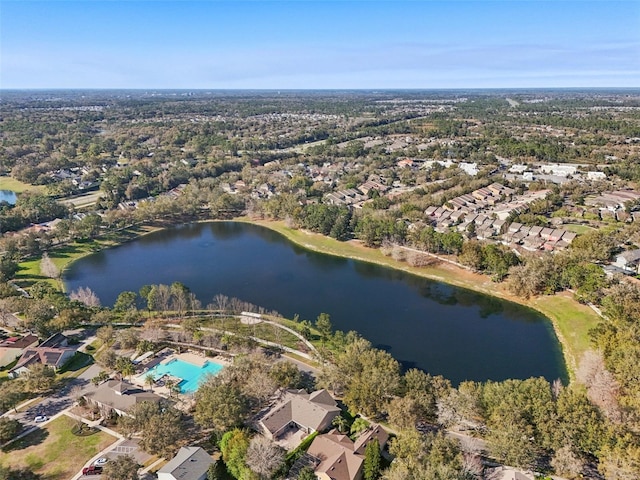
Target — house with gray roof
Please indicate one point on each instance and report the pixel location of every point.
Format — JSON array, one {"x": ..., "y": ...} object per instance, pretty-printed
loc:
[
  {"x": 120, "y": 396},
  {"x": 628, "y": 261},
  {"x": 299, "y": 410},
  {"x": 190, "y": 463}
]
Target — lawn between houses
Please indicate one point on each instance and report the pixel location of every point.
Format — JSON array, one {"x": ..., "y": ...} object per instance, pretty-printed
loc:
[
  {"x": 571, "y": 320},
  {"x": 53, "y": 451}
]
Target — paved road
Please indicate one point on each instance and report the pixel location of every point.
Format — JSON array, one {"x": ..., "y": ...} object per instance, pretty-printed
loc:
[{"x": 59, "y": 400}]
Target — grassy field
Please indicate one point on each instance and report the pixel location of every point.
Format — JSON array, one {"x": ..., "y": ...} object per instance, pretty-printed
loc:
[
  {"x": 29, "y": 270},
  {"x": 262, "y": 330},
  {"x": 53, "y": 451},
  {"x": 571, "y": 320},
  {"x": 9, "y": 183},
  {"x": 579, "y": 229}
]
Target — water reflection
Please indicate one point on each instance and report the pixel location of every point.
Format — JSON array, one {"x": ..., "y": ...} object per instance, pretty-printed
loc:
[{"x": 443, "y": 329}]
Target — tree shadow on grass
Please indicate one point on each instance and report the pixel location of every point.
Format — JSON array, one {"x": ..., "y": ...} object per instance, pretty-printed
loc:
[
  {"x": 34, "y": 438},
  {"x": 77, "y": 362}
]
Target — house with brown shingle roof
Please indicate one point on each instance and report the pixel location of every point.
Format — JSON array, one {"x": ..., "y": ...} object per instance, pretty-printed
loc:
[
  {"x": 13, "y": 348},
  {"x": 299, "y": 410},
  {"x": 340, "y": 458},
  {"x": 53, "y": 353}
]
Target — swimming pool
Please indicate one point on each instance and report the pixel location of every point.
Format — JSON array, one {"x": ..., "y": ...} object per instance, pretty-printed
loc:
[{"x": 192, "y": 375}]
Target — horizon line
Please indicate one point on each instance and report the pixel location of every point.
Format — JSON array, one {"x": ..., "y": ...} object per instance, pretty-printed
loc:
[{"x": 367, "y": 89}]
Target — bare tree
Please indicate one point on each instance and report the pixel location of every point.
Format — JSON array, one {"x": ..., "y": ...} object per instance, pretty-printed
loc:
[
  {"x": 193, "y": 303},
  {"x": 48, "y": 268},
  {"x": 416, "y": 259},
  {"x": 566, "y": 462},
  {"x": 264, "y": 457},
  {"x": 556, "y": 388},
  {"x": 153, "y": 334},
  {"x": 260, "y": 385},
  {"x": 602, "y": 387},
  {"x": 221, "y": 302},
  {"x": 85, "y": 295}
]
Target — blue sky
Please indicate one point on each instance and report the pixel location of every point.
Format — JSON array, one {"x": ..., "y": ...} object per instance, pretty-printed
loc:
[{"x": 319, "y": 44}]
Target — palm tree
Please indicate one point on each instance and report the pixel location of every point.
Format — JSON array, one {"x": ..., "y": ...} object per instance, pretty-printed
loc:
[
  {"x": 170, "y": 383},
  {"x": 128, "y": 369},
  {"x": 340, "y": 423},
  {"x": 149, "y": 380}
]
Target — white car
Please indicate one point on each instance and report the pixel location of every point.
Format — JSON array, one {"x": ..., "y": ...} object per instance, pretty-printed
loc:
[
  {"x": 41, "y": 418},
  {"x": 100, "y": 462}
]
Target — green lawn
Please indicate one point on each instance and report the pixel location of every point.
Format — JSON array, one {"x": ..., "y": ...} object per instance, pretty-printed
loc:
[
  {"x": 572, "y": 322},
  {"x": 579, "y": 229},
  {"x": 262, "y": 330},
  {"x": 76, "y": 365},
  {"x": 9, "y": 183},
  {"x": 63, "y": 256},
  {"x": 53, "y": 451}
]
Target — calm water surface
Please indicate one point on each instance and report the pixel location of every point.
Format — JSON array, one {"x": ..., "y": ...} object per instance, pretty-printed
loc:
[
  {"x": 8, "y": 196},
  {"x": 442, "y": 329}
]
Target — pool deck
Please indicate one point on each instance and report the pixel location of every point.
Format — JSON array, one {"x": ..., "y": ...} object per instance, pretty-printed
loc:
[{"x": 189, "y": 357}]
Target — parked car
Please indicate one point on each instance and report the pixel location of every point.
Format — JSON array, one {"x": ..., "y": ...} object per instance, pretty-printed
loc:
[
  {"x": 100, "y": 462},
  {"x": 41, "y": 418},
  {"x": 92, "y": 470}
]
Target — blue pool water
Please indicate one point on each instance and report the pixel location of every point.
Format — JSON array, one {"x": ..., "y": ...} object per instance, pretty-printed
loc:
[{"x": 191, "y": 375}]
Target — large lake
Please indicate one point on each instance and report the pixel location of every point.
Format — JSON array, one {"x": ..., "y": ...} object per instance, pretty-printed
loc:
[{"x": 442, "y": 329}]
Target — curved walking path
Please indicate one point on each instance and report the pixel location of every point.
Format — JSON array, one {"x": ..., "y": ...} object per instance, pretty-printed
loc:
[{"x": 262, "y": 340}]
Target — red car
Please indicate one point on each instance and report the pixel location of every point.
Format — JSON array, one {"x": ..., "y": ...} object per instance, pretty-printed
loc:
[{"x": 92, "y": 470}]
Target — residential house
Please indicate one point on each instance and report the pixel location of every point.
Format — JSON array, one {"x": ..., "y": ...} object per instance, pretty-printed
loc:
[
  {"x": 569, "y": 236},
  {"x": 535, "y": 231},
  {"x": 340, "y": 458},
  {"x": 14, "y": 347},
  {"x": 533, "y": 243},
  {"x": 457, "y": 216},
  {"x": 514, "y": 227},
  {"x": 119, "y": 396},
  {"x": 53, "y": 352},
  {"x": 299, "y": 410},
  {"x": 456, "y": 203},
  {"x": 430, "y": 211},
  {"x": 500, "y": 226},
  {"x": 629, "y": 261},
  {"x": 190, "y": 463},
  {"x": 467, "y": 198}
]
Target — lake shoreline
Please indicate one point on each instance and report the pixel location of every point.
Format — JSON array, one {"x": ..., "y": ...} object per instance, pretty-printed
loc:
[
  {"x": 560, "y": 310},
  {"x": 549, "y": 306}
]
